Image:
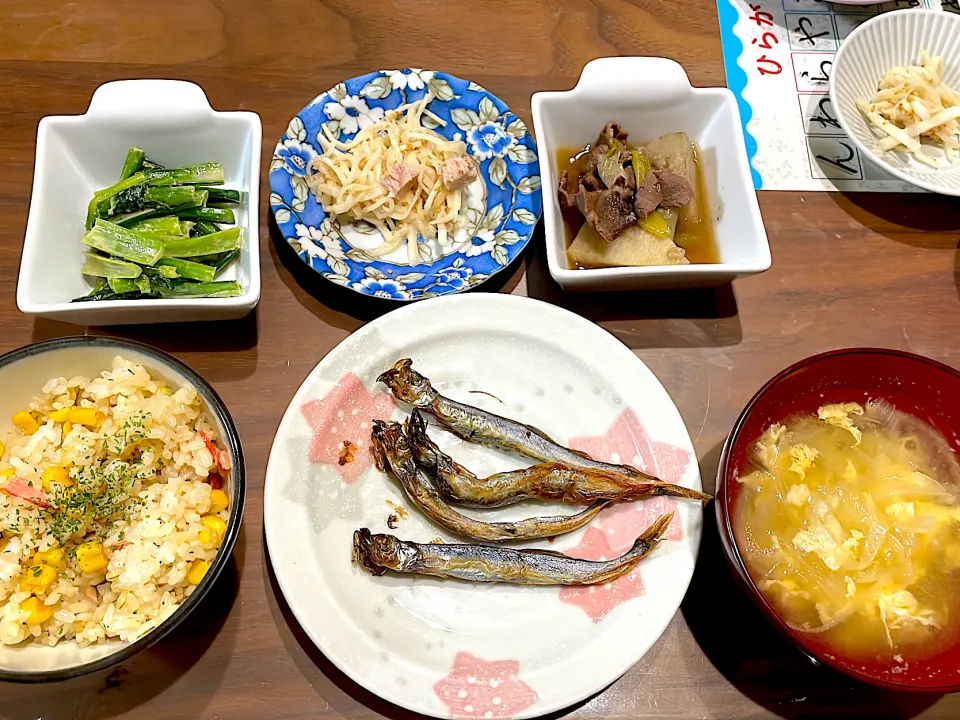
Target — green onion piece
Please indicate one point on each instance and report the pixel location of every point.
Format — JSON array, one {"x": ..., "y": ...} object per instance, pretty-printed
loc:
[
  {"x": 228, "y": 288},
  {"x": 203, "y": 174},
  {"x": 210, "y": 214},
  {"x": 131, "y": 219},
  {"x": 188, "y": 269},
  {"x": 105, "y": 267},
  {"x": 101, "y": 198},
  {"x": 218, "y": 242},
  {"x": 101, "y": 291},
  {"x": 224, "y": 261},
  {"x": 124, "y": 243},
  {"x": 218, "y": 194},
  {"x": 204, "y": 227},
  {"x": 133, "y": 163},
  {"x": 165, "y": 225},
  {"x": 656, "y": 224},
  {"x": 164, "y": 272},
  {"x": 176, "y": 196},
  {"x": 641, "y": 166},
  {"x": 122, "y": 286}
]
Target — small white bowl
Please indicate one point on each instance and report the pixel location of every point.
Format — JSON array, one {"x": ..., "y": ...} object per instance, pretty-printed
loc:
[
  {"x": 78, "y": 154},
  {"x": 650, "y": 97},
  {"x": 869, "y": 53}
]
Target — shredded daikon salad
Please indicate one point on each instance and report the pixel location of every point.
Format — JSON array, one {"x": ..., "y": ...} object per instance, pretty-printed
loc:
[
  {"x": 913, "y": 104},
  {"x": 845, "y": 528},
  {"x": 352, "y": 180}
]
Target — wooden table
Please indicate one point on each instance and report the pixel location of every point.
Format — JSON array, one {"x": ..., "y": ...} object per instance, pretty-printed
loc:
[{"x": 848, "y": 270}]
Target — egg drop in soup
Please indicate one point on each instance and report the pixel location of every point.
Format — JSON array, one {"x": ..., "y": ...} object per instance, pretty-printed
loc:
[{"x": 849, "y": 524}]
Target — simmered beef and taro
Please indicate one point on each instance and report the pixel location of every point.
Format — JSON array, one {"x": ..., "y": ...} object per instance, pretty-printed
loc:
[{"x": 634, "y": 204}]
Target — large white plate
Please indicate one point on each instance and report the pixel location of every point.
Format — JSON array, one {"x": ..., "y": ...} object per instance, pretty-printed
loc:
[{"x": 455, "y": 649}]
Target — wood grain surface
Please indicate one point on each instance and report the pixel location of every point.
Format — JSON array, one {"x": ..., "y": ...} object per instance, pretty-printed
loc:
[{"x": 868, "y": 269}]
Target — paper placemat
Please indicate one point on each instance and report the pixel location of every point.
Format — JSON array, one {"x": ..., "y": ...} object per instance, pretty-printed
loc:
[{"x": 778, "y": 55}]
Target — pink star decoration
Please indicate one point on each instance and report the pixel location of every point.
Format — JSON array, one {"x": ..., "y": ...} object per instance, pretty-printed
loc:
[
  {"x": 598, "y": 601},
  {"x": 618, "y": 527},
  {"x": 345, "y": 414},
  {"x": 477, "y": 688}
]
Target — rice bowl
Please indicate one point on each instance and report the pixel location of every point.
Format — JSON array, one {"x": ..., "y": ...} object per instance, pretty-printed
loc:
[{"x": 118, "y": 490}]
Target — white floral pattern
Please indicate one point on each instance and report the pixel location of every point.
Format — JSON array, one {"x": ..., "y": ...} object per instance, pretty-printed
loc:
[
  {"x": 353, "y": 114},
  {"x": 412, "y": 78},
  {"x": 486, "y": 243},
  {"x": 322, "y": 242}
]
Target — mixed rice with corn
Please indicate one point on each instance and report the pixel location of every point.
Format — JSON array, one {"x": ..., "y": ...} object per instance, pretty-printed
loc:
[{"x": 111, "y": 508}]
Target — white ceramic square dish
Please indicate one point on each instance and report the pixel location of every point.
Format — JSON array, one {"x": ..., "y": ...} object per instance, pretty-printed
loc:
[
  {"x": 650, "y": 97},
  {"x": 78, "y": 154},
  {"x": 870, "y": 52}
]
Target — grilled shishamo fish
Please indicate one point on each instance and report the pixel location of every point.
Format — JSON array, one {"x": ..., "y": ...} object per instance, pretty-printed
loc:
[
  {"x": 392, "y": 452},
  {"x": 482, "y": 563},
  {"x": 547, "y": 481},
  {"x": 476, "y": 425}
]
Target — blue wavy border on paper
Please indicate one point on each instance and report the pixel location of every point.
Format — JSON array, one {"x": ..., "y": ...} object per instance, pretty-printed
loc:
[{"x": 737, "y": 78}]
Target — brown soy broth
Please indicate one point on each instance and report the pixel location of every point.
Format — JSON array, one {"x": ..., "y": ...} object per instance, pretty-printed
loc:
[{"x": 697, "y": 239}]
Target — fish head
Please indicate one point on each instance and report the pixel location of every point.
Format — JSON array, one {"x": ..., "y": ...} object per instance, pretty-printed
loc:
[
  {"x": 364, "y": 552},
  {"x": 390, "y": 444},
  {"x": 407, "y": 384},
  {"x": 379, "y": 553}
]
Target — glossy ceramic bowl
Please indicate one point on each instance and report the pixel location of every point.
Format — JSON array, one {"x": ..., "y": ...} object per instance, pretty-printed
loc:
[
  {"x": 79, "y": 154},
  {"x": 872, "y": 50},
  {"x": 23, "y": 373},
  {"x": 913, "y": 384},
  {"x": 649, "y": 97}
]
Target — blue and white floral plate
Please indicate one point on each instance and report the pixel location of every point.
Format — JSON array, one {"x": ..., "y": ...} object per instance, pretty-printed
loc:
[{"x": 503, "y": 204}]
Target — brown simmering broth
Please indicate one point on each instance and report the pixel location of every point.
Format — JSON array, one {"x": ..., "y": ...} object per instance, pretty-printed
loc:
[{"x": 697, "y": 239}]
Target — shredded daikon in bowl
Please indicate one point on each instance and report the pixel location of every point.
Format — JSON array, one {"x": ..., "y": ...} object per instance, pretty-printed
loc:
[
  {"x": 391, "y": 176},
  {"x": 913, "y": 104}
]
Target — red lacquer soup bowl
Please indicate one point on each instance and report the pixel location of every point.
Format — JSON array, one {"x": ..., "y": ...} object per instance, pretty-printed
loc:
[{"x": 928, "y": 390}]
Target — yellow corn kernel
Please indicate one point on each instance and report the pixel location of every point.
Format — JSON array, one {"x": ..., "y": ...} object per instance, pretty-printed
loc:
[
  {"x": 217, "y": 526},
  {"x": 67, "y": 427},
  {"x": 90, "y": 557},
  {"x": 205, "y": 536},
  {"x": 55, "y": 474},
  {"x": 58, "y": 416},
  {"x": 38, "y": 578},
  {"x": 53, "y": 557},
  {"x": 198, "y": 569},
  {"x": 218, "y": 501},
  {"x": 164, "y": 390},
  {"x": 9, "y": 472},
  {"x": 3, "y": 449},
  {"x": 26, "y": 422},
  {"x": 36, "y": 611},
  {"x": 84, "y": 416}
]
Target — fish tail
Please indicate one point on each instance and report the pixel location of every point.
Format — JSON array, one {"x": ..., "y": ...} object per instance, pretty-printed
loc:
[
  {"x": 653, "y": 534},
  {"x": 671, "y": 490}
]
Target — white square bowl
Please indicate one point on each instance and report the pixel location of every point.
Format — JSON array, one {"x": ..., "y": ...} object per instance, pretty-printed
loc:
[
  {"x": 650, "y": 97},
  {"x": 79, "y": 154}
]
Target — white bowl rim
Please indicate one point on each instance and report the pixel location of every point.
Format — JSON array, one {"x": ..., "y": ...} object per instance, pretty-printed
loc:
[
  {"x": 762, "y": 259},
  {"x": 193, "y": 92}
]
